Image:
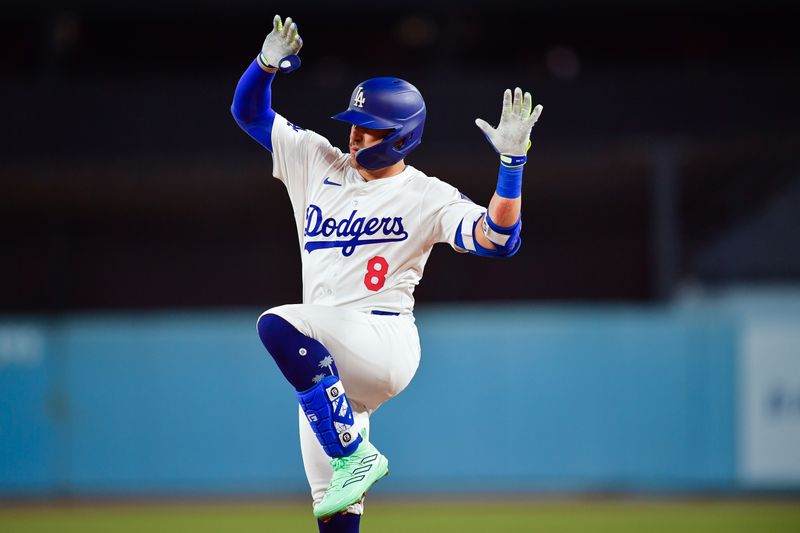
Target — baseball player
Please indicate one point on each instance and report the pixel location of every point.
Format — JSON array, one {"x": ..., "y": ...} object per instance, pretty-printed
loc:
[{"x": 366, "y": 222}]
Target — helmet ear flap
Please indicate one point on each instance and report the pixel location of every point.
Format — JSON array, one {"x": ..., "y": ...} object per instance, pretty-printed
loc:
[
  {"x": 398, "y": 145},
  {"x": 374, "y": 157},
  {"x": 409, "y": 141}
]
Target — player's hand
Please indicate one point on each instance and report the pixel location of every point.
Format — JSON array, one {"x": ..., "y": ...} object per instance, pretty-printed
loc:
[
  {"x": 282, "y": 45},
  {"x": 512, "y": 135}
]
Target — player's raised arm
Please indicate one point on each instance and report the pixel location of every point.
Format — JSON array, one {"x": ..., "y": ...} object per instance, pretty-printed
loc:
[
  {"x": 252, "y": 101},
  {"x": 498, "y": 232}
]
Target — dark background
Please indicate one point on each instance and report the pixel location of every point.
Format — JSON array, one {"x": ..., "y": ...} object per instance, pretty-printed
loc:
[{"x": 668, "y": 153}]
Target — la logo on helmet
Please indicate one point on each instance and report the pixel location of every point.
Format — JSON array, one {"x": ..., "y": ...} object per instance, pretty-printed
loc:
[{"x": 359, "y": 99}]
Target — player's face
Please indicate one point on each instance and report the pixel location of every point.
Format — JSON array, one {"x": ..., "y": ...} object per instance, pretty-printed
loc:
[{"x": 361, "y": 137}]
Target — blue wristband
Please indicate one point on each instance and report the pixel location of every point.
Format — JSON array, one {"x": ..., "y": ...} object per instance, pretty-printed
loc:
[{"x": 509, "y": 178}]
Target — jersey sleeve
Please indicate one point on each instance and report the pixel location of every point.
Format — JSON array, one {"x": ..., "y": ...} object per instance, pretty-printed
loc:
[
  {"x": 298, "y": 154},
  {"x": 445, "y": 210}
]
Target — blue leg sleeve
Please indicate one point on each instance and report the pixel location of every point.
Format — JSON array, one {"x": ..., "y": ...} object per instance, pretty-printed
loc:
[
  {"x": 341, "y": 523},
  {"x": 304, "y": 361},
  {"x": 310, "y": 368}
]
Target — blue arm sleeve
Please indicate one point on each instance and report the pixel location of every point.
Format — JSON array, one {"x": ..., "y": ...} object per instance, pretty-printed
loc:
[{"x": 252, "y": 104}]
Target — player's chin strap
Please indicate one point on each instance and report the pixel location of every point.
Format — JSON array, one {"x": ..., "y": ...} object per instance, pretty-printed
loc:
[{"x": 331, "y": 417}]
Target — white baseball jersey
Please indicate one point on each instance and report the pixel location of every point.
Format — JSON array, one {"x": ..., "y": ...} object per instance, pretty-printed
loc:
[{"x": 364, "y": 244}]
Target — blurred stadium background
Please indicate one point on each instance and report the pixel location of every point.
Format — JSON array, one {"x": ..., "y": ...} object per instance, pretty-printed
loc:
[{"x": 648, "y": 376}]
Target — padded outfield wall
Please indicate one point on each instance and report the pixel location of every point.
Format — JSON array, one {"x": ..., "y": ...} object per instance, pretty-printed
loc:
[{"x": 520, "y": 398}]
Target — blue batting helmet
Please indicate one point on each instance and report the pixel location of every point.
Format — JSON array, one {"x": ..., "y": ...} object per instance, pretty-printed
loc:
[{"x": 386, "y": 103}]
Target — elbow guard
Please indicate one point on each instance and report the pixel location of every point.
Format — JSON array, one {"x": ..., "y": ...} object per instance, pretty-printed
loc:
[{"x": 506, "y": 239}]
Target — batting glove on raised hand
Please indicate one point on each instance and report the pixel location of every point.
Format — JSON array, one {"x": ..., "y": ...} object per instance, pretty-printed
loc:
[
  {"x": 512, "y": 135},
  {"x": 280, "y": 48}
]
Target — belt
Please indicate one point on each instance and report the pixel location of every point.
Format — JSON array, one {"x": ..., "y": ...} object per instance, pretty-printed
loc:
[{"x": 383, "y": 313}]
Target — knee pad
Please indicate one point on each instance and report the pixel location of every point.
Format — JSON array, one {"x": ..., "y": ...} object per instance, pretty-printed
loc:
[{"x": 331, "y": 416}]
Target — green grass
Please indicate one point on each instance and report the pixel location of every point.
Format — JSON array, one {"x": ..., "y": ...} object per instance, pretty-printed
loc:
[{"x": 383, "y": 517}]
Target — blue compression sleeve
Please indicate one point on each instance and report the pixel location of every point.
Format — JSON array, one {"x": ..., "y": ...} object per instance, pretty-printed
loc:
[{"x": 252, "y": 104}]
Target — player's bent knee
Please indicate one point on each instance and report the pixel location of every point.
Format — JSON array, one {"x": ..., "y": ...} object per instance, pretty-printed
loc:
[
  {"x": 272, "y": 329},
  {"x": 283, "y": 311},
  {"x": 264, "y": 328}
]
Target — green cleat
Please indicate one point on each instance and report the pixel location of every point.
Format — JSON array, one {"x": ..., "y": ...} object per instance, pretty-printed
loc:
[{"x": 352, "y": 477}]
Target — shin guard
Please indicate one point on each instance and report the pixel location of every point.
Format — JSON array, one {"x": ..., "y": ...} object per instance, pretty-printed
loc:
[{"x": 331, "y": 416}]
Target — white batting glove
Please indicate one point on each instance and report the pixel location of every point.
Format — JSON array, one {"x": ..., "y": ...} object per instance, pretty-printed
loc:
[
  {"x": 280, "y": 48},
  {"x": 512, "y": 135}
]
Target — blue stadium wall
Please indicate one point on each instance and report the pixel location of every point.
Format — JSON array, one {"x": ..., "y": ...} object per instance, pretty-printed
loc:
[{"x": 610, "y": 398}]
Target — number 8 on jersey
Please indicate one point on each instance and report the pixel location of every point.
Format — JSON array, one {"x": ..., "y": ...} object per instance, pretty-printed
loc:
[{"x": 377, "y": 269}]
